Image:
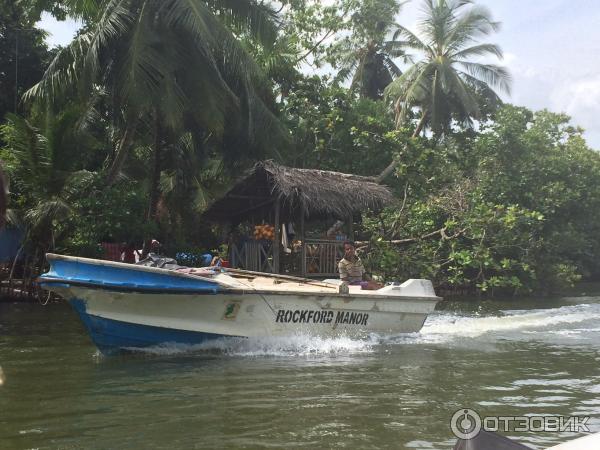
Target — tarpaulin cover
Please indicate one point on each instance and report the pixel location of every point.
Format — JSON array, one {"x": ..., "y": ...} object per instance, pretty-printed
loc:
[
  {"x": 162, "y": 262},
  {"x": 10, "y": 241}
]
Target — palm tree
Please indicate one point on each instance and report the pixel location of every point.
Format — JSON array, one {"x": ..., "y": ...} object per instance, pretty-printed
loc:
[
  {"x": 172, "y": 63},
  {"x": 368, "y": 55},
  {"x": 448, "y": 84},
  {"x": 44, "y": 163},
  {"x": 171, "y": 66},
  {"x": 189, "y": 183}
]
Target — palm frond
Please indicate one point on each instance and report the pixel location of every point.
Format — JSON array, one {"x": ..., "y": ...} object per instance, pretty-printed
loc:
[
  {"x": 481, "y": 88},
  {"x": 280, "y": 57},
  {"x": 47, "y": 211},
  {"x": 469, "y": 26},
  {"x": 411, "y": 89},
  {"x": 493, "y": 75},
  {"x": 248, "y": 17},
  {"x": 168, "y": 182},
  {"x": 29, "y": 147},
  {"x": 202, "y": 198},
  {"x": 63, "y": 72},
  {"x": 477, "y": 50},
  {"x": 75, "y": 179},
  {"x": 436, "y": 20},
  {"x": 359, "y": 75},
  {"x": 467, "y": 100},
  {"x": 391, "y": 66},
  {"x": 411, "y": 40},
  {"x": 407, "y": 84},
  {"x": 396, "y": 49},
  {"x": 91, "y": 115},
  {"x": 144, "y": 66},
  {"x": 83, "y": 9},
  {"x": 113, "y": 24}
]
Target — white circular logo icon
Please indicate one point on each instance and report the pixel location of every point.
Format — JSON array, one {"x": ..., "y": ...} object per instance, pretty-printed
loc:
[{"x": 465, "y": 424}]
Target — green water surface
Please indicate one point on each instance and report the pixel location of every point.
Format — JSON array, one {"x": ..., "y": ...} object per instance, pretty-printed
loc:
[{"x": 389, "y": 392}]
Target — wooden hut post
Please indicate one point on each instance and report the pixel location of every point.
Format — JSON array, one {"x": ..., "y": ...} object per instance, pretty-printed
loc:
[
  {"x": 277, "y": 237},
  {"x": 351, "y": 227},
  {"x": 226, "y": 239},
  {"x": 303, "y": 238}
]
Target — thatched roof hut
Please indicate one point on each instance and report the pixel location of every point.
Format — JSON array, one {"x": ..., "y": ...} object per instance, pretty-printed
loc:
[
  {"x": 277, "y": 194},
  {"x": 320, "y": 193}
]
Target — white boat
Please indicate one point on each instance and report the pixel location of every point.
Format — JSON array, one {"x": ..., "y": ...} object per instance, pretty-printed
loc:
[{"x": 127, "y": 306}]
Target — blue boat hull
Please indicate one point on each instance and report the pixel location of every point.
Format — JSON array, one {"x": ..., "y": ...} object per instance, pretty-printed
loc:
[{"x": 111, "y": 336}]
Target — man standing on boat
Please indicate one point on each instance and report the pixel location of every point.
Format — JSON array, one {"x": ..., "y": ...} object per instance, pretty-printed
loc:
[{"x": 352, "y": 269}]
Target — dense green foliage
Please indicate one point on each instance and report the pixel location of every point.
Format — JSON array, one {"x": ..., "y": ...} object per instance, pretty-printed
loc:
[
  {"x": 511, "y": 208},
  {"x": 367, "y": 54},
  {"x": 156, "y": 106},
  {"x": 23, "y": 55}
]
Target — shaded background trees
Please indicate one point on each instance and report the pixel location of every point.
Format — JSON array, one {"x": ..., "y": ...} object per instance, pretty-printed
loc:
[
  {"x": 23, "y": 55},
  {"x": 368, "y": 54}
]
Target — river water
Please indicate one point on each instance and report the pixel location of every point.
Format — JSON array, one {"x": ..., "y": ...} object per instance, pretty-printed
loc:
[{"x": 524, "y": 357}]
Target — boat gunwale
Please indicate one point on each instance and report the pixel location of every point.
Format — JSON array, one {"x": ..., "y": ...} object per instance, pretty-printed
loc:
[
  {"x": 223, "y": 287},
  {"x": 122, "y": 265},
  {"x": 230, "y": 290}
]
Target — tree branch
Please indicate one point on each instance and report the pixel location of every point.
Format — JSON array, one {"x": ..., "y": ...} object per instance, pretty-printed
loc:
[
  {"x": 314, "y": 47},
  {"x": 441, "y": 232}
]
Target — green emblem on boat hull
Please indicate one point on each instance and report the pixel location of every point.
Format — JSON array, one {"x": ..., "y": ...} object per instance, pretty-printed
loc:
[{"x": 231, "y": 310}]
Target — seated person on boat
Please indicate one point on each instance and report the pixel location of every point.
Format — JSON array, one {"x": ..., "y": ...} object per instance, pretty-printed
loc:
[{"x": 352, "y": 269}]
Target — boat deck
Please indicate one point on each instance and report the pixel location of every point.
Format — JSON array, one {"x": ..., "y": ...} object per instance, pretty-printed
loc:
[{"x": 263, "y": 283}]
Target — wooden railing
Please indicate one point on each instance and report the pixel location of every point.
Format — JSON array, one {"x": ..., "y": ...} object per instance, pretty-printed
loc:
[
  {"x": 319, "y": 258},
  {"x": 322, "y": 257},
  {"x": 253, "y": 255}
]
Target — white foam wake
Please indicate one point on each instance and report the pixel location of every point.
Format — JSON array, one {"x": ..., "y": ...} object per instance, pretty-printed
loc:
[
  {"x": 299, "y": 345},
  {"x": 440, "y": 328},
  {"x": 509, "y": 324},
  {"x": 510, "y": 321}
]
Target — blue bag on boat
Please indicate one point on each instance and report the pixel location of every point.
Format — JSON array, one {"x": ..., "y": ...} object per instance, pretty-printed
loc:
[{"x": 205, "y": 259}]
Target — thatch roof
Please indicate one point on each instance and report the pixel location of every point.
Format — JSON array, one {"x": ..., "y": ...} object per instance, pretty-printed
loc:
[{"x": 322, "y": 192}]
